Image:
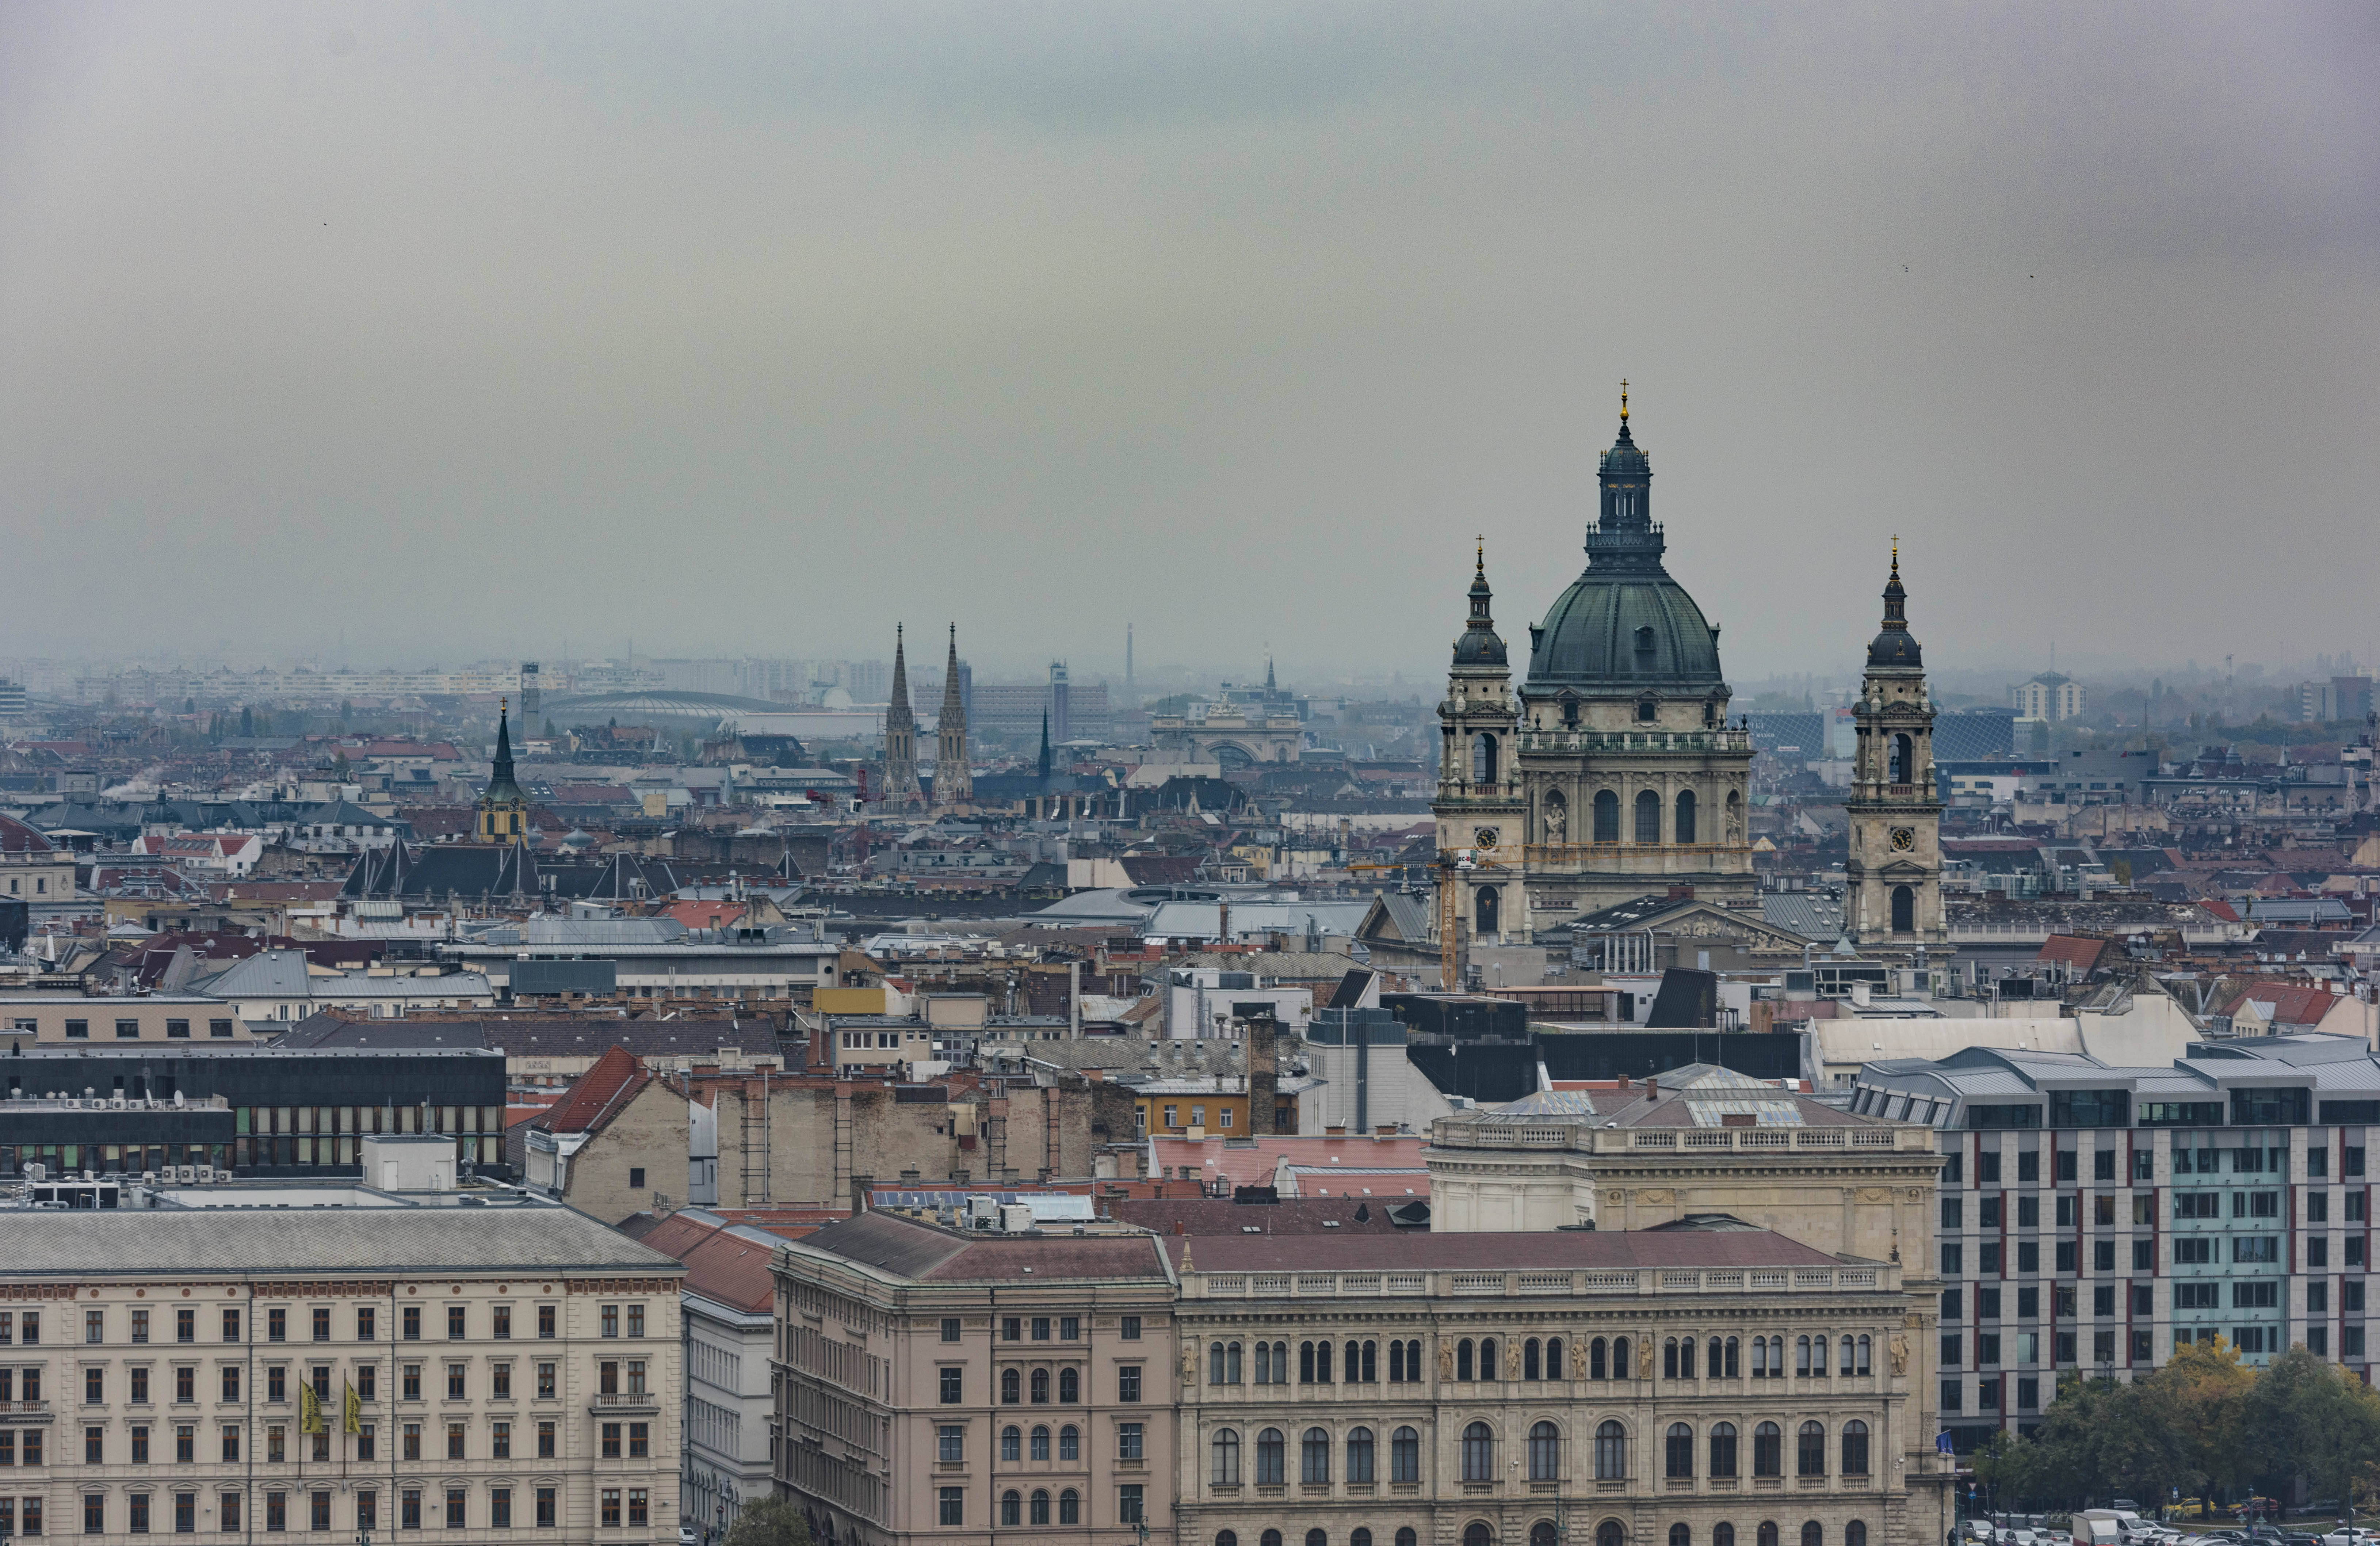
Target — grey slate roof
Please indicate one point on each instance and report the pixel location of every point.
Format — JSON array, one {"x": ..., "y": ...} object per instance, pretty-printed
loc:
[{"x": 241, "y": 1242}]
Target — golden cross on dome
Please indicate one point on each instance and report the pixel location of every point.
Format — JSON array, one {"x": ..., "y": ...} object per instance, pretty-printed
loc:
[
  {"x": 1896, "y": 553},
  {"x": 1624, "y": 399}
]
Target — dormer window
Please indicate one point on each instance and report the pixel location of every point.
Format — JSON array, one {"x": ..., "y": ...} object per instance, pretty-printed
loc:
[
  {"x": 1646, "y": 710},
  {"x": 1569, "y": 712},
  {"x": 1645, "y": 640}
]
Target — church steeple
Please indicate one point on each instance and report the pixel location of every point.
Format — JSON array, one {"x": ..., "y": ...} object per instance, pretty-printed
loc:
[
  {"x": 900, "y": 789},
  {"x": 504, "y": 809},
  {"x": 953, "y": 780},
  {"x": 1480, "y": 645},
  {"x": 1893, "y": 645}
]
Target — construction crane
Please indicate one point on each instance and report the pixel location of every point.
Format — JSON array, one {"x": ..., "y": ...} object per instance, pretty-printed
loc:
[{"x": 1451, "y": 862}]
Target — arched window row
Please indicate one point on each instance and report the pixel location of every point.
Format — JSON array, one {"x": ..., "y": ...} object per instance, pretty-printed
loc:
[
  {"x": 1359, "y": 1361},
  {"x": 1767, "y": 1450},
  {"x": 1017, "y": 1509},
  {"x": 1013, "y": 1384}
]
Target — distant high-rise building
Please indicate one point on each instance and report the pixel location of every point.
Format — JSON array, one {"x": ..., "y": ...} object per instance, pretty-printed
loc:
[
  {"x": 2049, "y": 696},
  {"x": 532, "y": 697},
  {"x": 1061, "y": 723},
  {"x": 901, "y": 790}
]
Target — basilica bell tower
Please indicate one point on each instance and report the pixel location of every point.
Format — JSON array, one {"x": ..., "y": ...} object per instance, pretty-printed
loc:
[
  {"x": 1892, "y": 879},
  {"x": 1479, "y": 805}
]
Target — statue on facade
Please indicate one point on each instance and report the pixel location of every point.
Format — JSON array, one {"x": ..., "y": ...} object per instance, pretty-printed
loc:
[
  {"x": 1899, "y": 1349},
  {"x": 1512, "y": 1359},
  {"x": 1645, "y": 1359},
  {"x": 1446, "y": 1360}
]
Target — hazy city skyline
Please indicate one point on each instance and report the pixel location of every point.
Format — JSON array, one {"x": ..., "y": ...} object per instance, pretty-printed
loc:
[{"x": 445, "y": 334}]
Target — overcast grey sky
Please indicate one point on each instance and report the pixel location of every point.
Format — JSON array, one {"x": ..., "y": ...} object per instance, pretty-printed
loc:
[{"x": 471, "y": 329}]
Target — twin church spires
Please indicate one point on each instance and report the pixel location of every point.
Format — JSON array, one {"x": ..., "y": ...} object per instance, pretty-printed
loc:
[{"x": 954, "y": 782}]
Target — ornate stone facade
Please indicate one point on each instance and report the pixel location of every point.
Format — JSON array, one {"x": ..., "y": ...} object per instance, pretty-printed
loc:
[
  {"x": 1613, "y": 773},
  {"x": 1508, "y": 1389}
]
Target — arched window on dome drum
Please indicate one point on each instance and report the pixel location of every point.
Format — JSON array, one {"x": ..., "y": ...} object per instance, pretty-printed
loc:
[
  {"x": 1607, "y": 817},
  {"x": 1905, "y": 910},
  {"x": 1685, "y": 816},
  {"x": 1648, "y": 817},
  {"x": 1483, "y": 758}
]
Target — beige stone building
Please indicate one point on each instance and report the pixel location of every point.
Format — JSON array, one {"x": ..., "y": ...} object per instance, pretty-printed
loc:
[
  {"x": 1696, "y": 1385},
  {"x": 68, "y": 1019},
  {"x": 941, "y": 1386},
  {"x": 168, "y": 1371},
  {"x": 1697, "y": 1139}
]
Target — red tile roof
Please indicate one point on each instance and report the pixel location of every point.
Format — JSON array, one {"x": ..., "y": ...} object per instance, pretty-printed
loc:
[
  {"x": 2081, "y": 955},
  {"x": 728, "y": 1269},
  {"x": 601, "y": 1093}
]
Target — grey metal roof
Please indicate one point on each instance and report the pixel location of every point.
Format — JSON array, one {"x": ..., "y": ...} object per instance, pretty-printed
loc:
[
  {"x": 1813, "y": 915},
  {"x": 235, "y": 1241}
]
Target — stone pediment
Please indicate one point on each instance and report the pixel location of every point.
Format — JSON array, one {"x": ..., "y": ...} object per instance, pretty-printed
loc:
[{"x": 1699, "y": 920}]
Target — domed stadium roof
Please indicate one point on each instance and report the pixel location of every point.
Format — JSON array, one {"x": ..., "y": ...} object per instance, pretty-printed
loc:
[{"x": 680, "y": 709}]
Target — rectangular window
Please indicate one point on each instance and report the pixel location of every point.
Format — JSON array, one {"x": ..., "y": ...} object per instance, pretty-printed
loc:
[
  {"x": 545, "y": 1440},
  {"x": 951, "y": 1506},
  {"x": 1988, "y": 1258},
  {"x": 2317, "y": 1252},
  {"x": 93, "y": 1446},
  {"x": 1070, "y": 1328},
  {"x": 320, "y": 1512},
  {"x": 454, "y": 1440},
  {"x": 408, "y": 1509},
  {"x": 1128, "y": 1383},
  {"x": 94, "y": 1325},
  {"x": 639, "y": 1441},
  {"x": 77, "y": 1030},
  {"x": 140, "y": 1326},
  {"x": 545, "y": 1321},
  {"x": 1128, "y": 1441},
  {"x": 545, "y": 1382},
  {"x": 127, "y": 1031},
  {"x": 367, "y": 1327},
  {"x": 2103, "y": 1255},
  {"x": 500, "y": 1508},
  {"x": 1011, "y": 1328},
  {"x": 637, "y": 1513},
  {"x": 2066, "y": 1256},
  {"x": 2194, "y": 1252},
  {"x": 2028, "y": 1213},
  {"x": 1950, "y": 1210},
  {"x": 456, "y": 1317},
  {"x": 500, "y": 1441},
  {"x": 610, "y": 1320},
  {"x": 1953, "y": 1259},
  {"x": 1128, "y": 1328},
  {"x": 455, "y": 1504},
  {"x": 227, "y": 1512},
  {"x": 950, "y": 1328},
  {"x": 1953, "y": 1395},
  {"x": 321, "y": 1323},
  {"x": 408, "y": 1382},
  {"x": 277, "y": 1511},
  {"x": 951, "y": 1380},
  {"x": 410, "y": 1321},
  {"x": 950, "y": 1441},
  {"x": 500, "y": 1322},
  {"x": 611, "y": 1508},
  {"x": 454, "y": 1381},
  {"x": 545, "y": 1508},
  {"x": 409, "y": 1441},
  {"x": 219, "y": 1030},
  {"x": 139, "y": 1520},
  {"x": 636, "y": 1320},
  {"x": 1129, "y": 1506},
  {"x": 2255, "y": 1247},
  {"x": 185, "y": 1326},
  {"x": 610, "y": 1442}
]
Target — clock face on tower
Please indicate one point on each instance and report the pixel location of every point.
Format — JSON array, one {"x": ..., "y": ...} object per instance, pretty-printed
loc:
[
  {"x": 1903, "y": 839},
  {"x": 1484, "y": 837}
]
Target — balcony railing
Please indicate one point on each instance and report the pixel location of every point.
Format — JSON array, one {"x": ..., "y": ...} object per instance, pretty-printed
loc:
[
  {"x": 1457, "y": 1133},
  {"x": 24, "y": 1411},
  {"x": 1656, "y": 742},
  {"x": 613, "y": 1403}
]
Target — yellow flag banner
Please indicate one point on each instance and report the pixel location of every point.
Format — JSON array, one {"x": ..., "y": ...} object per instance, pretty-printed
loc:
[
  {"x": 351, "y": 1414},
  {"x": 310, "y": 1411}
]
